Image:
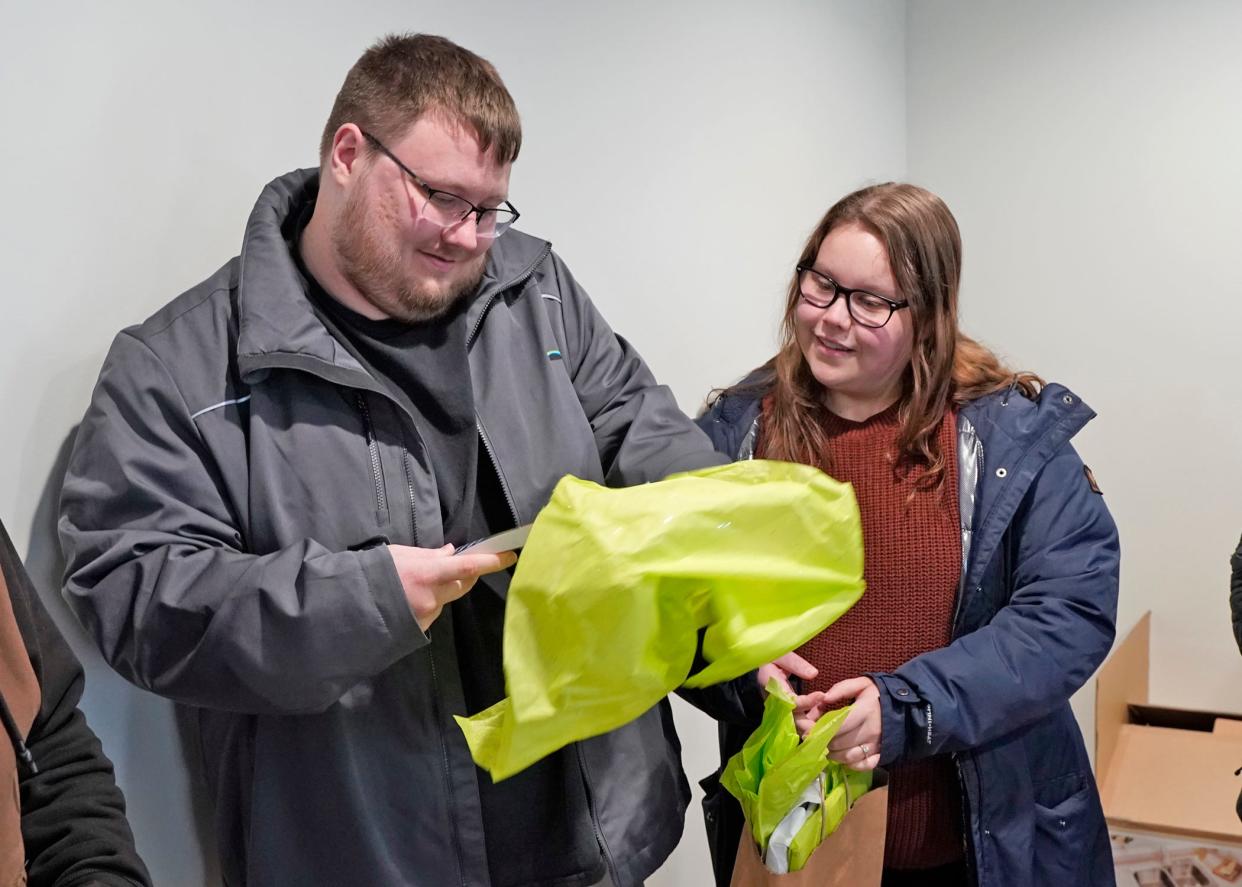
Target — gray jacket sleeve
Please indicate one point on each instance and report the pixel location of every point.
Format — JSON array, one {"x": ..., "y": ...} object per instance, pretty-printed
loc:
[
  {"x": 158, "y": 569},
  {"x": 640, "y": 432}
]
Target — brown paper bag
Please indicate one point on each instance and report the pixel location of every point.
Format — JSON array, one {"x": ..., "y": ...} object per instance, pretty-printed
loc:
[{"x": 852, "y": 856}]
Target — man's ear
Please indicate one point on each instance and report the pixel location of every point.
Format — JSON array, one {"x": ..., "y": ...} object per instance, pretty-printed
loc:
[{"x": 347, "y": 147}]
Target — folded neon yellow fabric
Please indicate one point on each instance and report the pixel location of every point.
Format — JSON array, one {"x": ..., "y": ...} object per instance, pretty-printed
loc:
[{"x": 604, "y": 612}]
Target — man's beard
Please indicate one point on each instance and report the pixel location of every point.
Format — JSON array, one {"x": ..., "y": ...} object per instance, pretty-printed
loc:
[{"x": 374, "y": 266}]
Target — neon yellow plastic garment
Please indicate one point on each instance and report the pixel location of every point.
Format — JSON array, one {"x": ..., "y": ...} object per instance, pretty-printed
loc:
[
  {"x": 842, "y": 787},
  {"x": 613, "y": 586},
  {"x": 774, "y": 768}
]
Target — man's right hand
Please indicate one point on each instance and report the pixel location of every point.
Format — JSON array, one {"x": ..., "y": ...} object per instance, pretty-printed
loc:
[
  {"x": 782, "y": 668},
  {"x": 432, "y": 577},
  {"x": 805, "y": 712}
]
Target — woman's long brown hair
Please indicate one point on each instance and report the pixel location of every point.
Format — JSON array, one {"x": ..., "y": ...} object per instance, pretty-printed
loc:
[{"x": 947, "y": 367}]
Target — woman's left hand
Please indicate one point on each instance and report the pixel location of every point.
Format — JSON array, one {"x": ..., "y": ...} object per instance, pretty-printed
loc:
[{"x": 857, "y": 743}]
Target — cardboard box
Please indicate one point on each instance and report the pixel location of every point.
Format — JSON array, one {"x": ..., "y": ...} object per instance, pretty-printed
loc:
[
  {"x": 1142, "y": 860},
  {"x": 1166, "y": 776}
]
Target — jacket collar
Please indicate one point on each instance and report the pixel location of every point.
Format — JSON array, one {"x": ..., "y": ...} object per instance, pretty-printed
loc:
[
  {"x": 1018, "y": 437},
  {"x": 276, "y": 324}
]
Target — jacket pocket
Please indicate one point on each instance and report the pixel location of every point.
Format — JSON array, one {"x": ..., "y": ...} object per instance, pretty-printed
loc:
[{"x": 1064, "y": 831}]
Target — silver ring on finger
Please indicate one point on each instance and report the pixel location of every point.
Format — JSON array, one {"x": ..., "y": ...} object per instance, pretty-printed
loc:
[{"x": 866, "y": 751}]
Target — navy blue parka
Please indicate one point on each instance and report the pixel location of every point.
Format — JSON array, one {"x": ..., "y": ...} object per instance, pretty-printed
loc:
[{"x": 1033, "y": 620}]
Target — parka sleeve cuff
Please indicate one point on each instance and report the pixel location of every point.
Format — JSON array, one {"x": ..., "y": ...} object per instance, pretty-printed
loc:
[
  {"x": 896, "y": 697},
  {"x": 389, "y": 596}
]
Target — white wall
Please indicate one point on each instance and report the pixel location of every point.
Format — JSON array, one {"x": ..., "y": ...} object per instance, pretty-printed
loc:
[
  {"x": 1093, "y": 155},
  {"x": 676, "y": 155}
]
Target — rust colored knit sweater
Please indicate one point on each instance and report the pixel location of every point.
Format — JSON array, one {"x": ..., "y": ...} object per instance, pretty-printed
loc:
[{"x": 913, "y": 552}]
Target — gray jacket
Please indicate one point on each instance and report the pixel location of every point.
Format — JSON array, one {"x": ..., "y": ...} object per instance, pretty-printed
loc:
[{"x": 230, "y": 484}]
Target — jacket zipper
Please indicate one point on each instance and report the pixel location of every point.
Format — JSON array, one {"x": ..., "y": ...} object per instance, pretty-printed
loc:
[
  {"x": 474, "y": 331},
  {"x": 968, "y": 854},
  {"x": 515, "y": 283},
  {"x": 381, "y": 499},
  {"x": 20, "y": 750},
  {"x": 599, "y": 831},
  {"x": 746, "y": 449},
  {"x": 409, "y": 486},
  {"x": 961, "y": 592},
  {"x": 447, "y": 769},
  {"x": 504, "y": 487}
]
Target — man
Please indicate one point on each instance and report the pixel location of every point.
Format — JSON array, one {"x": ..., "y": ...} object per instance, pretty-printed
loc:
[
  {"x": 261, "y": 509},
  {"x": 1235, "y": 609},
  {"x": 1235, "y": 599},
  {"x": 62, "y": 818}
]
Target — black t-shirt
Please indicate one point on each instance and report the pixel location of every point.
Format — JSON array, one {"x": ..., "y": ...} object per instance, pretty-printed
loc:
[{"x": 536, "y": 824}]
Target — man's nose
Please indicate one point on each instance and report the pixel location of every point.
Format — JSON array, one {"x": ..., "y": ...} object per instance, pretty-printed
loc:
[{"x": 464, "y": 235}]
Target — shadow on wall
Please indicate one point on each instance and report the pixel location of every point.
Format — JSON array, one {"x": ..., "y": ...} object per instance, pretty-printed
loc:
[{"x": 148, "y": 738}]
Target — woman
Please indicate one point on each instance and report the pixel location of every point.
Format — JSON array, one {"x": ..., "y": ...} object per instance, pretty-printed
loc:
[{"x": 991, "y": 559}]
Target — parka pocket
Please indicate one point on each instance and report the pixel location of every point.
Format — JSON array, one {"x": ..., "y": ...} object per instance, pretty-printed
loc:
[{"x": 1064, "y": 832}]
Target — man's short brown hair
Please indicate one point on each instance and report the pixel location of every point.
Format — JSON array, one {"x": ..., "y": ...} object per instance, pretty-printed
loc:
[{"x": 402, "y": 77}]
